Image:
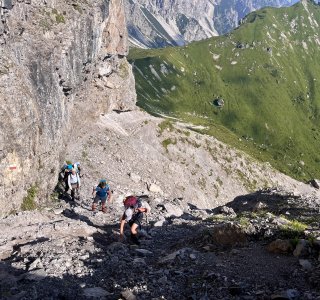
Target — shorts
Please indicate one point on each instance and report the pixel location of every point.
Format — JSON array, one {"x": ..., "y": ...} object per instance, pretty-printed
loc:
[
  {"x": 74, "y": 185},
  {"x": 136, "y": 219},
  {"x": 98, "y": 198}
]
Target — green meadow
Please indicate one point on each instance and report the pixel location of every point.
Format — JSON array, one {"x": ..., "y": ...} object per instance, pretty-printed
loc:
[{"x": 256, "y": 88}]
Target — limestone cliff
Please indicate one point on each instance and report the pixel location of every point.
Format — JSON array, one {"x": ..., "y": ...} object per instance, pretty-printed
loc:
[{"x": 60, "y": 63}]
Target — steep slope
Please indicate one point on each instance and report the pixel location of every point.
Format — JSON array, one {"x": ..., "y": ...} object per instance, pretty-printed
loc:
[
  {"x": 155, "y": 24},
  {"x": 55, "y": 57},
  {"x": 187, "y": 248},
  {"x": 255, "y": 88}
]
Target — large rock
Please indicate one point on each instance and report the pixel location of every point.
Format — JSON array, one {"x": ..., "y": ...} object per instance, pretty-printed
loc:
[
  {"x": 173, "y": 210},
  {"x": 280, "y": 246},
  {"x": 47, "y": 72},
  {"x": 228, "y": 235},
  {"x": 95, "y": 292}
]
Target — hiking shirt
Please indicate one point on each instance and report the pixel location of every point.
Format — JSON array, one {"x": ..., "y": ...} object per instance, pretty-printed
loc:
[
  {"x": 133, "y": 215},
  {"x": 72, "y": 179},
  {"x": 102, "y": 192}
]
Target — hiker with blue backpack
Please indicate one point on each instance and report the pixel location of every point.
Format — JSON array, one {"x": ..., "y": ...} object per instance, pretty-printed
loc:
[
  {"x": 101, "y": 193},
  {"x": 65, "y": 172},
  {"x": 132, "y": 215}
]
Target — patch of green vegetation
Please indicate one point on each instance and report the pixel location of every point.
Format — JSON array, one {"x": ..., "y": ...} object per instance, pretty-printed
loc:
[
  {"x": 219, "y": 181},
  {"x": 294, "y": 229},
  {"x": 202, "y": 183},
  {"x": 29, "y": 202},
  {"x": 45, "y": 24},
  {"x": 250, "y": 185},
  {"x": 244, "y": 222},
  {"x": 54, "y": 197},
  {"x": 58, "y": 16},
  {"x": 165, "y": 125},
  {"x": 167, "y": 142},
  {"x": 217, "y": 218},
  {"x": 84, "y": 154},
  {"x": 267, "y": 79},
  {"x": 186, "y": 133},
  {"x": 123, "y": 69}
]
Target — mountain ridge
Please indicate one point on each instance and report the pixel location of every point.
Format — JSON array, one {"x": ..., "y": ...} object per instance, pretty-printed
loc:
[{"x": 154, "y": 24}]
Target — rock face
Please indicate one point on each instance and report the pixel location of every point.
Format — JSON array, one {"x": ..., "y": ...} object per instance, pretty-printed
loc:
[
  {"x": 55, "y": 58},
  {"x": 154, "y": 23}
]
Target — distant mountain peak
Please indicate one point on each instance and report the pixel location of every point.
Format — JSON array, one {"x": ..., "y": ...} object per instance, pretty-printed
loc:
[{"x": 154, "y": 23}]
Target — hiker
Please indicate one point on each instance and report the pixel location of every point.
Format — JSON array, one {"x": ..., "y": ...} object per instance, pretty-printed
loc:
[
  {"x": 133, "y": 215},
  {"x": 73, "y": 183},
  {"x": 66, "y": 172},
  {"x": 101, "y": 193}
]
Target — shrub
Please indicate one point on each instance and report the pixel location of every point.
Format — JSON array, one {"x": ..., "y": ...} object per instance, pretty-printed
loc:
[{"x": 29, "y": 202}]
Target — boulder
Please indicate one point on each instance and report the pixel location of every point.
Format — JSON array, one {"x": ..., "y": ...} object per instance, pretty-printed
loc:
[
  {"x": 280, "y": 246},
  {"x": 7, "y": 4},
  {"x": 173, "y": 210},
  {"x": 302, "y": 248},
  {"x": 305, "y": 264},
  {"x": 95, "y": 292},
  {"x": 228, "y": 235},
  {"x": 154, "y": 188},
  {"x": 135, "y": 177},
  {"x": 128, "y": 295}
]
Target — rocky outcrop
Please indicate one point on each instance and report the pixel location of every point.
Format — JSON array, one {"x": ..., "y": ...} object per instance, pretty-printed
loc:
[{"x": 55, "y": 58}]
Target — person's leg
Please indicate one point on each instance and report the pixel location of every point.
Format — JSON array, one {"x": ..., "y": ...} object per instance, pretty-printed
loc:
[
  {"x": 134, "y": 233},
  {"x": 66, "y": 189},
  {"x": 103, "y": 205},
  {"x": 95, "y": 202},
  {"x": 73, "y": 193}
]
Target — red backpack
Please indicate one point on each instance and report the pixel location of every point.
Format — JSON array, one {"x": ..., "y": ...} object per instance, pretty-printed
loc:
[{"x": 130, "y": 201}]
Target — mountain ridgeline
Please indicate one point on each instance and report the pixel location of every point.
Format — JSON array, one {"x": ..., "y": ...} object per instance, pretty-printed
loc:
[
  {"x": 257, "y": 88},
  {"x": 155, "y": 24}
]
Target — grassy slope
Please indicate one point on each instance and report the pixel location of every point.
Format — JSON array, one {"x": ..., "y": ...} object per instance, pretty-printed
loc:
[{"x": 272, "y": 103}]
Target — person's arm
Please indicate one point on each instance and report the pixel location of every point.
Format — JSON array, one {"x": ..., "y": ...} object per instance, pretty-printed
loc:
[
  {"x": 122, "y": 223},
  {"x": 78, "y": 178},
  {"x": 142, "y": 209},
  {"x": 93, "y": 191},
  {"x": 69, "y": 183},
  {"x": 109, "y": 196}
]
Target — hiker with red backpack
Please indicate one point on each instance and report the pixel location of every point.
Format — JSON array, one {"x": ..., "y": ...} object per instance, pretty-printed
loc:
[
  {"x": 101, "y": 193},
  {"x": 133, "y": 215}
]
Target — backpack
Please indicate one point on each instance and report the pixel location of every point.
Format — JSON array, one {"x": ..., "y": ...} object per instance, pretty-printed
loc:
[{"x": 131, "y": 201}]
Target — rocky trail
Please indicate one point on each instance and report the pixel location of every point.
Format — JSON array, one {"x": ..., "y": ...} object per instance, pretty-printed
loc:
[{"x": 259, "y": 245}]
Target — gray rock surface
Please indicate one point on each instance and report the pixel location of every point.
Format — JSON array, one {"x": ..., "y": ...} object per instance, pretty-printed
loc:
[{"x": 50, "y": 56}]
